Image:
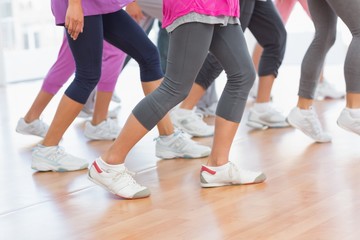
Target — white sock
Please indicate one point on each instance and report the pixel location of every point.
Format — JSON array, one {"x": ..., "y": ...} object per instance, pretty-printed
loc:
[
  {"x": 166, "y": 138},
  {"x": 354, "y": 112},
  {"x": 307, "y": 111},
  {"x": 105, "y": 166},
  {"x": 262, "y": 107}
]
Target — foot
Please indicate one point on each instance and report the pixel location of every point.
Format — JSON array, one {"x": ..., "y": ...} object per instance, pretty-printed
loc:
[
  {"x": 307, "y": 121},
  {"x": 229, "y": 174},
  {"x": 87, "y": 113},
  {"x": 179, "y": 146},
  {"x": 326, "y": 90},
  {"x": 115, "y": 98},
  {"x": 108, "y": 129},
  {"x": 55, "y": 159},
  {"x": 266, "y": 118},
  {"x": 191, "y": 123},
  {"x": 349, "y": 122},
  {"x": 36, "y": 127},
  {"x": 207, "y": 111},
  {"x": 118, "y": 181}
]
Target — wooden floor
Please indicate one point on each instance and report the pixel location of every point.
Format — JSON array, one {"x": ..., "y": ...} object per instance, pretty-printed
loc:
[{"x": 312, "y": 190}]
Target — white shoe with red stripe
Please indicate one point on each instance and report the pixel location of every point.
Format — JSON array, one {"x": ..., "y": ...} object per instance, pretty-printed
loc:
[
  {"x": 119, "y": 182},
  {"x": 229, "y": 174}
]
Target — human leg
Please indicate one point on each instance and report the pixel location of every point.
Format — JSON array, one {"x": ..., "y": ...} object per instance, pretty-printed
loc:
[
  {"x": 350, "y": 116},
  {"x": 229, "y": 47},
  {"x": 155, "y": 106},
  {"x": 87, "y": 50},
  {"x": 304, "y": 116},
  {"x": 268, "y": 29},
  {"x": 58, "y": 74}
]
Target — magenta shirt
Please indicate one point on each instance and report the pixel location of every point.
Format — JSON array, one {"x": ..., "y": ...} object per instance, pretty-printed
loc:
[
  {"x": 90, "y": 7},
  {"x": 173, "y": 9}
]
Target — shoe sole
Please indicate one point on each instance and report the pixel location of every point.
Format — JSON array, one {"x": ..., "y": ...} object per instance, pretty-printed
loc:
[
  {"x": 43, "y": 167},
  {"x": 27, "y": 133},
  {"x": 260, "y": 179},
  {"x": 170, "y": 155},
  {"x": 96, "y": 138},
  {"x": 263, "y": 125}
]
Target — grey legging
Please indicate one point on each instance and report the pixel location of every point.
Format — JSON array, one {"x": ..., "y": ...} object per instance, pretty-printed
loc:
[
  {"x": 324, "y": 15},
  {"x": 188, "y": 48}
]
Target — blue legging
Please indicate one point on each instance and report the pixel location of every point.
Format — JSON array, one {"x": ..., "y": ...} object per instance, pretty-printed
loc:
[{"x": 123, "y": 32}]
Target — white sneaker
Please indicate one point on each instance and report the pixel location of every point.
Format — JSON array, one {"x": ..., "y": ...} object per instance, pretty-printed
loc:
[
  {"x": 348, "y": 122},
  {"x": 55, "y": 159},
  {"x": 231, "y": 175},
  {"x": 271, "y": 118},
  {"x": 120, "y": 183},
  {"x": 307, "y": 121},
  {"x": 191, "y": 123},
  {"x": 115, "y": 98},
  {"x": 36, "y": 127},
  {"x": 326, "y": 90},
  {"x": 108, "y": 129},
  {"x": 87, "y": 113},
  {"x": 207, "y": 111},
  {"x": 180, "y": 146}
]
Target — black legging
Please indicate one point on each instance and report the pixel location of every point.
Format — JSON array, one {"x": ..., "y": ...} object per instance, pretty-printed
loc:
[
  {"x": 264, "y": 22},
  {"x": 123, "y": 32}
]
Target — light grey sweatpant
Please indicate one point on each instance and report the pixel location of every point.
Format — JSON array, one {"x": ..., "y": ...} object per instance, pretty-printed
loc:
[
  {"x": 188, "y": 48},
  {"x": 324, "y": 15}
]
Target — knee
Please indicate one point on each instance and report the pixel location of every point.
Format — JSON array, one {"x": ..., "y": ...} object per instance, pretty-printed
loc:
[
  {"x": 150, "y": 67},
  {"x": 326, "y": 36},
  {"x": 251, "y": 76},
  {"x": 243, "y": 79}
]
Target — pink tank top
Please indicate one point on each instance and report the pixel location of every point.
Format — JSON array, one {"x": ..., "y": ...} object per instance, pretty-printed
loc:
[{"x": 173, "y": 9}]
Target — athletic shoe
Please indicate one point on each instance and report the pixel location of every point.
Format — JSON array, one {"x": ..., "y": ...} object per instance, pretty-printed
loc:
[
  {"x": 180, "y": 146},
  {"x": 326, "y": 90},
  {"x": 118, "y": 182},
  {"x": 229, "y": 175},
  {"x": 271, "y": 118},
  {"x": 191, "y": 123},
  {"x": 55, "y": 159},
  {"x": 36, "y": 127},
  {"x": 348, "y": 122},
  {"x": 115, "y": 98},
  {"x": 108, "y": 129},
  {"x": 207, "y": 111},
  {"x": 87, "y": 113},
  {"x": 307, "y": 121}
]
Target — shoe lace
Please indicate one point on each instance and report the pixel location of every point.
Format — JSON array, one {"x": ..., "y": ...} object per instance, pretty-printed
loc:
[
  {"x": 181, "y": 140},
  {"x": 313, "y": 123},
  {"x": 59, "y": 153},
  {"x": 126, "y": 176},
  {"x": 198, "y": 119},
  {"x": 233, "y": 170}
]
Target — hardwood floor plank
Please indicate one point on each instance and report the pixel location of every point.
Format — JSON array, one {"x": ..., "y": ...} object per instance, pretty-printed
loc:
[{"x": 311, "y": 191}]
